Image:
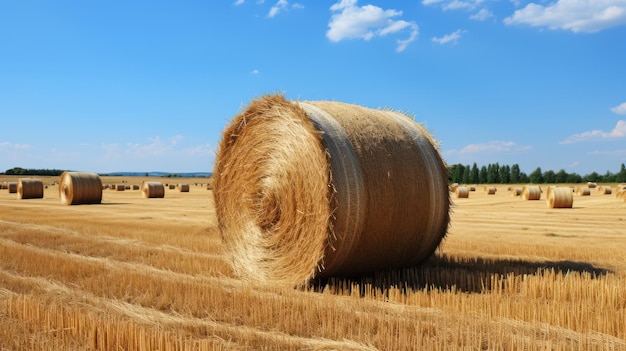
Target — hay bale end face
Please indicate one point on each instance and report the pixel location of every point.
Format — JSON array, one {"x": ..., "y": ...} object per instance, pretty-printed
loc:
[
  {"x": 559, "y": 197},
  {"x": 76, "y": 188},
  {"x": 371, "y": 193},
  {"x": 29, "y": 189},
  {"x": 531, "y": 192},
  {"x": 152, "y": 190},
  {"x": 183, "y": 188}
]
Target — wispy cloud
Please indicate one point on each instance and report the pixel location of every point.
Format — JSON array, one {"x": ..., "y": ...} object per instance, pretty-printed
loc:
[
  {"x": 620, "y": 109},
  {"x": 7, "y": 145},
  {"x": 451, "y": 5},
  {"x": 281, "y": 5},
  {"x": 586, "y": 16},
  {"x": 481, "y": 15},
  {"x": 350, "y": 21},
  {"x": 494, "y": 147},
  {"x": 238, "y": 2},
  {"x": 619, "y": 132},
  {"x": 254, "y": 72},
  {"x": 452, "y": 38}
]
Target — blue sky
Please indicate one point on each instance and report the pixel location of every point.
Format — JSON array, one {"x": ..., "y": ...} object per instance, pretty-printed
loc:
[{"x": 108, "y": 86}]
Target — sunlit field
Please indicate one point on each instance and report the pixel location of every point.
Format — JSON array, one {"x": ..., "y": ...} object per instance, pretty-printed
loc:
[{"x": 148, "y": 274}]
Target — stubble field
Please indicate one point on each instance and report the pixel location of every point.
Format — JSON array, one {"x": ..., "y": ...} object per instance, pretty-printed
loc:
[{"x": 148, "y": 274}]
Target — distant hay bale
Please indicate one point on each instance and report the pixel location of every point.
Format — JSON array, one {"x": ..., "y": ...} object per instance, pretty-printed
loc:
[
  {"x": 209, "y": 184},
  {"x": 583, "y": 191},
  {"x": 152, "y": 190},
  {"x": 77, "y": 188},
  {"x": 461, "y": 192},
  {"x": 12, "y": 186},
  {"x": 472, "y": 188},
  {"x": 559, "y": 197},
  {"x": 172, "y": 186},
  {"x": 490, "y": 190},
  {"x": 183, "y": 188},
  {"x": 605, "y": 190},
  {"x": 591, "y": 185},
  {"x": 622, "y": 195},
  {"x": 516, "y": 191},
  {"x": 135, "y": 187},
  {"x": 3, "y": 186},
  {"x": 531, "y": 192},
  {"x": 371, "y": 193},
  {"x": 509, "y": 188},
  {"x": 29, "y": 189},
  {"x": 120, "y": 187},
  {"x": 453, "y": 187}
]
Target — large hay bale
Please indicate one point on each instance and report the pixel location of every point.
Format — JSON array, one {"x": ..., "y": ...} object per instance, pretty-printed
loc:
[
  {"x": 316, "y": 189},
  {"x": 78, "y": 188},
  {"x": 12, "y": 186},
  {"x": 183, "y": 188},
  {"x": 531, "y": 192},
  {"x": 29, "y": 189},
  {"x": 152, "y": 190},
  {"x": 583, "y": 191},
  {"x": 462, "y": 192},
  {"x": 559, "y": 197}
]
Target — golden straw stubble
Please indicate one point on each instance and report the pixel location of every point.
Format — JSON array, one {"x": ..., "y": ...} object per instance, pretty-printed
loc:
[
  {"x": 315, "y": 189},
  {"x": 77, "y": 188}
]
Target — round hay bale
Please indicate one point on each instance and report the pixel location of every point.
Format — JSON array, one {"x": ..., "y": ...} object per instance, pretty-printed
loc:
[
  {"x": 135, "y": 187},
  {"x": 183, "y": 188},
  {"x": 531, "y": 192},
  {"x": 77, "y": 188},
  {"x": 12, "y": 186},
  {"x": 453, "y": 187},
  {"x": 559, "y": 197},
  {"x": 605, "y": 190},
  {"x": 591, "y": 185},
  {"x": 120, "y": 187},
  {"x": 371, "y": 193},
  {"x": 462, "y": 192},
  {"x": 152, "y": 190},
  {"x": 583, "y": 191},
  {"x": 29, "y": 189},
  {"x": 622, "y": 195},
  {"x": 472, "y": 188},
  {"x": 490, "y": 190},
  {"x": 172, "y": 186},
  {"x": 516, "y": 191}
]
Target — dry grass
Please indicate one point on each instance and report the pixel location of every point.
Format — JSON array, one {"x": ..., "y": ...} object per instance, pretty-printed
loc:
[{"x": 145, "y": 275}]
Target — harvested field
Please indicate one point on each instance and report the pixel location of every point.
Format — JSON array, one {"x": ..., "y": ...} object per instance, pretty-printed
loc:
[{"x": 137, "y": 274}]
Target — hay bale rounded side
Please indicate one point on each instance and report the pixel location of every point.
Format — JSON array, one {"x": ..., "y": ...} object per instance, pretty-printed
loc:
[
  {"x": 591, "y": 185},
  {"x": 462, "y": 192},
  {"x": 516, "y": 191},
  {"x": 183, "y": 188},
  {"x": 605, "y": 190},
  {"x": 171, "y": 186},
  {"x": 531, "y": 192},
  {"x": 371, "y": 193},
  {"x": 76, "y": 188},
  {"x": 152, "y": 190},
  {"x": 120, "y": 187},
  {"x": 29, "y": 189},
  {"x": 559, "y": 197},
  {"x": 490, "y": 190},
  {"x": 583, "y": 191},
  {"x": 12, "y": 186}
]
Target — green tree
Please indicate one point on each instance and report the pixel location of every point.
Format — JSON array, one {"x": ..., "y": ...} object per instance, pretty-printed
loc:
[
  {"x": 474, "y": 176},
  {"x": 515, "y": 174},
  {"x": 561, "y": 176},
  {"x": 549, "y": 176},
  {"x": 482, "y": 175},
  {"x": 505, "y": 174},
  {"x": 621, "y": 175},
  {"x": 466, "y": 175},
  {"x": 536, "y": 176}
]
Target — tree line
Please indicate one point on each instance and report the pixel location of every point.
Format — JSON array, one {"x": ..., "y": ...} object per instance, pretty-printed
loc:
[
  {"x": 34, "y": 172},
  {"x": 505, "y": 174}
]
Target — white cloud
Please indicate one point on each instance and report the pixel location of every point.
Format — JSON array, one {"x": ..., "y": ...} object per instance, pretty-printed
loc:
[
  {"x": 430, "y": 2},
  {"x": 281, "y": 5},
  {"x": 238, "y": 2},
  {"x": 449, "y": 38},
  {"x": 7, "y": 145},
  {"x": 255, "y": 72},
  {"x": 588, "y": 16},
  {"x": 481, "y": 15},
  {"x": 446, "y": 5},
  {"x": 350, "y": 21},
  {"x": 493, "y": 147},
  {"x": 619, "y": 132},
  {"x": 620, "y": 109}
]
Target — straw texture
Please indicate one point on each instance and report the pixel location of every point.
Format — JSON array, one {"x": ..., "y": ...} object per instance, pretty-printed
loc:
[
  {"x": 462, "y": 192},
  {"x": 531, "y": 192},
  {"x": 29, "y": 189},
  {"x": 559, "y": 197},
  {"x": 152, "y": 190},
  {"x": 314, "y": 189},
  {"x": 77, "y": 188}
]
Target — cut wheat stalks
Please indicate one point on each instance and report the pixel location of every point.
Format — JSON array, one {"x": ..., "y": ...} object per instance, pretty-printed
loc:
[
  {"x": 371, "y": 193},
  {"x": 80, "y": 188},
  {"x": 531, "y": 192},
  {"x": 490, "y": 190},
  {"x": 183, "y": 188},
  {"x": 152, "y": 190},
  {"x": 29, "y": 189},
  {"x": 462, "y": 192},
  {"x": 559, "y": 197}
]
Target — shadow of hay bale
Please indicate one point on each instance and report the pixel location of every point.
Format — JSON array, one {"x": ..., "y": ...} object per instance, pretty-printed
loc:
[{"x": 441, "y": 272}]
